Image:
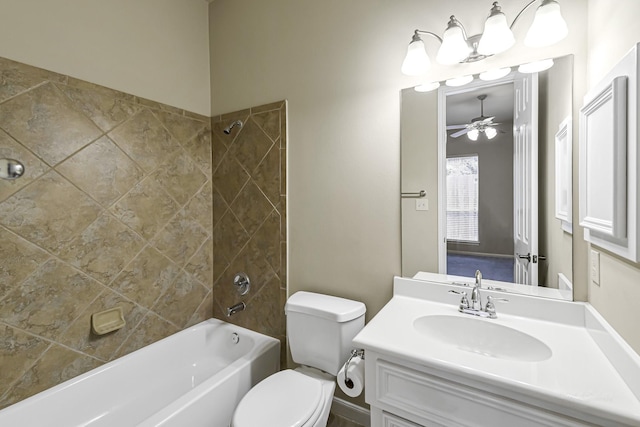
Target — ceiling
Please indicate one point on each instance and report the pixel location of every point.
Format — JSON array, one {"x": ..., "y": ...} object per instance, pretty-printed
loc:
[{"x": 463, "y": 107}]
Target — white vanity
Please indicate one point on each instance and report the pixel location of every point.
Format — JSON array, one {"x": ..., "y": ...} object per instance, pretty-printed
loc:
[{"x": 541, "y": 362}]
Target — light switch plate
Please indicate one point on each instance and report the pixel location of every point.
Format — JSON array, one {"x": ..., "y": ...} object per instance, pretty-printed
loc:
[
  {"x": 422, "y": 204},
  {"x": 595, "y": 267}
]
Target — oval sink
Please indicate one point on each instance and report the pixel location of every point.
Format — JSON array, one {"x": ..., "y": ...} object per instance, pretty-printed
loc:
[{"x": 481, "y": 336}]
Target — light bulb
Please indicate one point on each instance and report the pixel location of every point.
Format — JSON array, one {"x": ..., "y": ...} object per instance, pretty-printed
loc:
[
  {"x": 454, "y": 48},
  {"x": 417, "y": 61},
  {"x": 490, "y": 132},
  {"x": 497, "y": 36},
  {"x": 473, "y": 134},
  {"x": 548, "y": 26}
]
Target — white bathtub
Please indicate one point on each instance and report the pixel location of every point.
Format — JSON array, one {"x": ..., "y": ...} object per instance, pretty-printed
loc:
[{"x": 194, "y": 378}]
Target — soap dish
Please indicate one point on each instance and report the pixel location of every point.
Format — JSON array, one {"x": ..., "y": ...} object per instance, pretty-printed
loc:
[{"x": 107, "y": 321}]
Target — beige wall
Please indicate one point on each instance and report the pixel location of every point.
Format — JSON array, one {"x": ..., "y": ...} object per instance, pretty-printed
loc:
[
  {"x": 613, "y": 30},
  {"x": 156, "y": 49},
  {"x": 337, "y": 63}
]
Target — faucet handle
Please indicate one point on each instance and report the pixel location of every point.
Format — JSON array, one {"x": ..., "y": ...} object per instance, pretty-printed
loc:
[
  {"x": 491, "y": 307},
  {"x": 464, "y": 301}
]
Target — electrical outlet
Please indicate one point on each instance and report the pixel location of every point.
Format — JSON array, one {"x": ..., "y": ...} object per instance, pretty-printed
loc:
[
  {"x": 595, "y": 267},
  {"x": 422, "y": 204}
]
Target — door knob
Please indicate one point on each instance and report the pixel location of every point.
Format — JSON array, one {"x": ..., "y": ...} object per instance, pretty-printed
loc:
[{"x": 527, "y": 257}]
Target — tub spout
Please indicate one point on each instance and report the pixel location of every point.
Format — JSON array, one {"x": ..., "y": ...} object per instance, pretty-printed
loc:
[{"x": 235, "y": 308}]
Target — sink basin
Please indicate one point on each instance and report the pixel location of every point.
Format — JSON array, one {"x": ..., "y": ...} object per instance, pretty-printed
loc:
[{"x": 484, "y": 337}]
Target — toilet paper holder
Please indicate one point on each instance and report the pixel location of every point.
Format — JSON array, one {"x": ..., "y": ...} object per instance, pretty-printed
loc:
[{"x": 354, "y": 353}]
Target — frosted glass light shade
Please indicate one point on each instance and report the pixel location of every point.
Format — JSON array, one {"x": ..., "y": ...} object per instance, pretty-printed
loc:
[
  {"x": 417, "y": 62},
  {"x": 548, "y": 26},
  {"x": 473, "y": 134},
  {"x": 454, "y": 48},
  {"x": 459, "y": 81},
  {"x": 495, "y": 74},
  {"x": 490, "y": 132},
  {"x": 497, "y": 36},
  {"x": 535, "y": 67}
]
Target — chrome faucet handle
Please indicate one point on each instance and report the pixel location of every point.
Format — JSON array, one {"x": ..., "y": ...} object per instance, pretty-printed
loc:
[
  {"x": 464, "y": 301},
  {"x": 491, "y": 307}
]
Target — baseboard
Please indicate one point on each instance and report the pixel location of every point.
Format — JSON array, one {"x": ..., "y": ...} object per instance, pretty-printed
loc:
[{"x": 352, "y": 412}]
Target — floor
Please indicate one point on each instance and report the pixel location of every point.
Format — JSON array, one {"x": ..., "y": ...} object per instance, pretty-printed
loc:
[
  {"x": 492, "y": 268},
  {"x": 336, "y": 421}
]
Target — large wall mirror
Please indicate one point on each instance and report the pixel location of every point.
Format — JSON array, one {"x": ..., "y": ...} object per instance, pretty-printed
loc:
[{"x": 486, "y": 171}]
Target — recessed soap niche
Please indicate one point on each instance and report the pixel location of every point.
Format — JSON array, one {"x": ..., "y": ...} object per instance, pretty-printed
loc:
[{"x": 609, "y": 160}]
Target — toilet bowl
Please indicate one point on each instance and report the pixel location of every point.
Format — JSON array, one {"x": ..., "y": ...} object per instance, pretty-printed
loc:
[
  {"x": 289, "y": 398},
  {"x": 320, "y": 329}
]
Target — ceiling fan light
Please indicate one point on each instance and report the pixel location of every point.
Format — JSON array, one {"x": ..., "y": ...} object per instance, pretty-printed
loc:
[
  {"x": 459, "y": 81},
  {"x": 473, "y": 134},
  {"x": 497, "y": 36},
  {"x": 495, "y": 74},
  {"x": 490, "y": 132},
  {"x": 417, "y": 62},
  {"x": 535, "y": 67},
  {"x": 427, "y": 87},
  {"x": 454, "y": 48},
  {"x": 548, "y": 26}
]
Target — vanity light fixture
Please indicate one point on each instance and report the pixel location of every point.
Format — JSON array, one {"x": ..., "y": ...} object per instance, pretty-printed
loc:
[
  {"x": 459, "y": 81},
  {"x": 535, "y": 67},
  {"x": 548, "y": 28},
  {"x": 495, "y": 74},
  {"x": 427, "y": 87}
]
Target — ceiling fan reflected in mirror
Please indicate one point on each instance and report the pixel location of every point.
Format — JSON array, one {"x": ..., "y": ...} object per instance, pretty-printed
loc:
[{"x": 478, "y": 125}]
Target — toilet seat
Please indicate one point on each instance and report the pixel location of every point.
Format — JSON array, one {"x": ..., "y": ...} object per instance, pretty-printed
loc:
[{"x": 287, "y": 398}]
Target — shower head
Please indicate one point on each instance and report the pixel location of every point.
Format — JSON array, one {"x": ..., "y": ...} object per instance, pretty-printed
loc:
[{"x": 227, "y": 130}]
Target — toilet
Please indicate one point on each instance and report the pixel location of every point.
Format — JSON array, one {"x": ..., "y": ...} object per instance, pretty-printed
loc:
[{"x": 320, "y": 329}]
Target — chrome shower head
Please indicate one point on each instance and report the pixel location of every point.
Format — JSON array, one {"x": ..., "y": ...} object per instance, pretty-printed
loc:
[{"x": 227, "y": 130}]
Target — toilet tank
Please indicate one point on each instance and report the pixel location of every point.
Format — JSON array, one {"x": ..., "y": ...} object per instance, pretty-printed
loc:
[{"x": 320, "y": 329}]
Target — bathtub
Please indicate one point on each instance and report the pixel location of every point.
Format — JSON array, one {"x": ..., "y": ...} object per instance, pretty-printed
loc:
[{"x": 194, "y": 378}]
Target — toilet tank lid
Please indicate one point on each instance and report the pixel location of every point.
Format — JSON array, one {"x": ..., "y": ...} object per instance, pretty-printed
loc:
[{"x": 326, "y": 306}]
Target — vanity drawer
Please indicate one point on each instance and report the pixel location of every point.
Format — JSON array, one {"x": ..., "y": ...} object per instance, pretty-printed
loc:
[{"x": 429, "y": 400}]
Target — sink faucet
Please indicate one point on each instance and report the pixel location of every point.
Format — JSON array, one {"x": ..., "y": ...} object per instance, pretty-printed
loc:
[
  {"x": 476, "y": 298},
  {"x": 475, "y": 306}
]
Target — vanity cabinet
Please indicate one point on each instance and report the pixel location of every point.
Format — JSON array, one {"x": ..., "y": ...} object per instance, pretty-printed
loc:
[{"x": 404, "y": 394}]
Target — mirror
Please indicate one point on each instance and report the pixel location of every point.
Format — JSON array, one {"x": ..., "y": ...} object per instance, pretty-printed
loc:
[{"x": 480, "y": 188}]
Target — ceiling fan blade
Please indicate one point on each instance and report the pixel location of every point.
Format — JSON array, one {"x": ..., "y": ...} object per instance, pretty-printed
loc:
[
  {"x": 456, "y": 127},
  {"x": 488, "y": 119},
  {"x": 460, "y": 133}
]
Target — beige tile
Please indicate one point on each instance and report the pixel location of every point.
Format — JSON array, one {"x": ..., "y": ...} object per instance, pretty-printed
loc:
[
  {"x": 181, "y": 300},
  {"x": 266, "y": 241},
  {"x": 146, "y": 278},
  {"x": 267, "y": 175},
  {"x": 33, "y": 166},
  {"x": 251, "y": 145},
  {"x": 229, "y": 178},
  {"x": 146, "y": 208},
  {"x": 19, "y": 259},
  {"x": 159, "y": 106},
  {"x": 219, "y": 147},
  {"x": 145, "y": 140},
  {"x": 152, "y": 328},
  {"x": 229, "y": 237},
  {"x": 18, "y": 352},
  {"x": 49, "y": 300},
  {"x": 200, "y": 207},
  {"x": 264, "y": 312},
  {"x": 199, "y": 148},
  {"x": 16, "y": 78},
  {"x": 201, "y": 264},
  {"x": 251, "y": 207},
  {"x": 267, "y": 107},
  {"x": 182, "y": 128},
  {"x": 49, "y": 212},
  {"x": 80, "y": 337},
  {"x": 102, "y": 170},
  {"x": 180, "y": 239},
  {"x": 220, "y": 207},
  {"x": 57, "y": 365},
  {"x": 102, "y": 249},
  {"x": 205, "y": 119},
  {"x": 180, "y": 177},
  {"x": 283, "y": 171},
  {"x": 203, "y": 312},
  {"x": 269, "y": 122},
  {"x": 45, "y": 121},
  {"x": 106, "y": 107}
]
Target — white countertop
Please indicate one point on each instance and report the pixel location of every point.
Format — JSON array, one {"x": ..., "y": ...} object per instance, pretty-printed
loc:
[{"x": 578, "y": 375}]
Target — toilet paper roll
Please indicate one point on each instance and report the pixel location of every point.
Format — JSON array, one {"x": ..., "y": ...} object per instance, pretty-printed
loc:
[{"x": 355, "y": 385}]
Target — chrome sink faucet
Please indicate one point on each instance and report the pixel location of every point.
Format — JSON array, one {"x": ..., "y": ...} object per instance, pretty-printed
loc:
[{"x": 474, "y": 307}]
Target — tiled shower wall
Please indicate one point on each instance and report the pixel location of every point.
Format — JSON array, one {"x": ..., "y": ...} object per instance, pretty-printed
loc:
[
  {"x": 115, "y": 209},
  {"x": 249, "y": 221}
]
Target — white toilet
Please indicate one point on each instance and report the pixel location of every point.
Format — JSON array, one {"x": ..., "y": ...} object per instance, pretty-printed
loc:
[{"x": 320, "y": 330}]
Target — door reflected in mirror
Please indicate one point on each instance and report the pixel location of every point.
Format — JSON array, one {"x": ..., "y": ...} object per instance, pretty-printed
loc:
[{"x": 485, "y": 156}]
